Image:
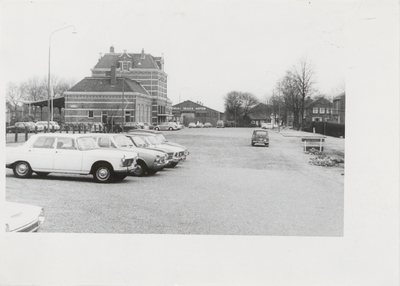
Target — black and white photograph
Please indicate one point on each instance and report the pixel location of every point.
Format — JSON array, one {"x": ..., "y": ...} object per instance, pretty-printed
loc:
[{"x": 200, "y": 142}]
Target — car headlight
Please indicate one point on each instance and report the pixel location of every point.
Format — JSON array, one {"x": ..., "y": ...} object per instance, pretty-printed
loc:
[
  {"x": 158, "y": 159},
  {"x": 41, "y": 216}
]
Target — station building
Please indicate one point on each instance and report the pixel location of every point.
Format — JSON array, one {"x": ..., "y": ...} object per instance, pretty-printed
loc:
[{"x": 124, "y": 87}]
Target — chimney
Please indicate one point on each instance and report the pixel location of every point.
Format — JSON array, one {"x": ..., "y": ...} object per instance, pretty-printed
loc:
[
  {"x": 112, "y": 49},
  {"x": 142, "y": 56},
  {"x": 113, "y": 76}
]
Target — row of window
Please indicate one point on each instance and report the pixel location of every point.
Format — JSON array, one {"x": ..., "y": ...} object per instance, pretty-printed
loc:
[{"x": 321, "y": 110}]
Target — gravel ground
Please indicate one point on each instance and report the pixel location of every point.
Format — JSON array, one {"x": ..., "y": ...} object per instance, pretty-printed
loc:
[{"x": 226, "y": 187}]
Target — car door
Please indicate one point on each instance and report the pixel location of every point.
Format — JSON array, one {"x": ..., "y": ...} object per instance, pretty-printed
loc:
[
  {"x": 41, "y": 153},
  {"x": 67, "y": 157}
]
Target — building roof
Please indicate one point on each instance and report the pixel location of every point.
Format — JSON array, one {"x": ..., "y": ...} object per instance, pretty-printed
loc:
[
  {"x": 317, "y": 102},
  {"x": 139, "y": 61},
  {"x": 103, "y": 84},
  {"x": 340, "y": 96},
  {"x": 260, "y": 111}
]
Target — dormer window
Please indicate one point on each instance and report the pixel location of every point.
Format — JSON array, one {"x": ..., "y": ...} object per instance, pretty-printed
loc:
[{"x": 125, "y": 65}]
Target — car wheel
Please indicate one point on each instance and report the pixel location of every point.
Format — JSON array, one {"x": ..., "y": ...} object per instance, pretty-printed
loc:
[
  {"x": 119, "y": 177},
  {"x": 103, "y": 173},
  {"x": 141, "y": 169},
  {"x": 267, "y": 144},
  {"x": 252, "y": 143},
  {"x": 170, "y": 129},
  {"x": 42, "y": 174},
  {"x": 22, "y": 170}
]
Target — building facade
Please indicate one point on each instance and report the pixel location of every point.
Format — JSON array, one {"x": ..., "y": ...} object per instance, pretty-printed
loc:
[
  {"x": 146, "y": 70},
  {"x": 107, "y": 100},
  {"x": 339, "y": 109},
  {"x": 319, "y": 109},
  {"x": 189, "y": 111}
]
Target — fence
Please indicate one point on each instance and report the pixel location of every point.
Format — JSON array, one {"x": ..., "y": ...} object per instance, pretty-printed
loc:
[{"x": 327, "y": 128}]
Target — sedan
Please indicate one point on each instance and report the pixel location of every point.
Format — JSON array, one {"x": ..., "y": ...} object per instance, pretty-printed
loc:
[
  {"x": 68, "y": 153},
  {"x": 175, "y": 154},
  {"x": 18, "y": 127},
  {"x": 192, "y": 125},
  {"x": 260, "y": 136},
  {"x": 148, "y": 162},
  {"x": 23, "y": 217},
  {"x": 170, "y": 126}
]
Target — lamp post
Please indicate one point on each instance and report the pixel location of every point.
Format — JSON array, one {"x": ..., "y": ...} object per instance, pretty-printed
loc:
[{"x": 50, "y": 98}]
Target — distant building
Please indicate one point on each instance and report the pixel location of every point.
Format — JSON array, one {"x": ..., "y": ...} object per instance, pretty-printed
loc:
[
  {"x": 262, "y": 113},
  {"x": 189, "y": 111},
  {"x": 339, "y": 109},
  {"x": 317, "y": 110}
]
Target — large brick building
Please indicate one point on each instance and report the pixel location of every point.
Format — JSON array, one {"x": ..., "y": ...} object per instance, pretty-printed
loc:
[
  {"x": 123, "y": 86},
  {"x": 189, "y": 111}
]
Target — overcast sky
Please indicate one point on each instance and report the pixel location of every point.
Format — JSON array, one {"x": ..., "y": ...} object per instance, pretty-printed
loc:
[{"x": 210, "y": 47}]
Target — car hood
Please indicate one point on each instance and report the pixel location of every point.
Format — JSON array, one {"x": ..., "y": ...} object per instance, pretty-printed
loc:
[{"x": 140, "y": 150}]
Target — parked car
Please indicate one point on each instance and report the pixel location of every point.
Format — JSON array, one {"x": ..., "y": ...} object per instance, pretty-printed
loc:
[
  {"x": 18, "y": 127},
  {"x": 207, "y": 125},
  {"x": 148, "y": 161},
  {"x": 68, "y": 153},
  {"x": 220, "y": 124},
  {"x": 170, "y": 126},
  {"x": 175, "y": 154},
  {"x": 39, "y": 127},
  {"x": 199, "y": 125},
  {"x": 180, "y": 126},
  {"x": 23, "y": 217},
  {"x": 192, "y": 125},
  {"x": 266, "y": 125},
  {"x": 51, "y": 124},
  {"x": 161, "y": 137},
  {"x": 130, "y": 126},
  {"x": 260, "y": 136}
]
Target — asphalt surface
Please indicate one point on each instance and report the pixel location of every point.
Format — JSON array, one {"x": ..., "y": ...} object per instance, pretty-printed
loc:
[{"x": 225, "y": 187}]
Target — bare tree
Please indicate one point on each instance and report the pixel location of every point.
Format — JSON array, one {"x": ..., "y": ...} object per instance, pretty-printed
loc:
[
  {"x": 14, "y": 96},
  {"x": 36, "y": 89},
  {"x": 291, "y": 96},
  {"x": 247, "y": 101},
  {"x": 232, "y": 103},
  {"x": 304, "y": 79},
  {"x": 238, "y": 105}
]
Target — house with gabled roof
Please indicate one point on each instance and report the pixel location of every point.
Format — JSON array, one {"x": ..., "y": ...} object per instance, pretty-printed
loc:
[
  {"x": 339, "y": 109},
  {"x": 319, "y": 109}
]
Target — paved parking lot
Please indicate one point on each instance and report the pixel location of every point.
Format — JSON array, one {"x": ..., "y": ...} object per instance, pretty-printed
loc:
[{"x": 226, "y": 187}]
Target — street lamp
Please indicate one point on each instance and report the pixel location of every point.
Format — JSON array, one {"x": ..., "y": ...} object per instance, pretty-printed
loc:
[{"x": 50, "y": 98}]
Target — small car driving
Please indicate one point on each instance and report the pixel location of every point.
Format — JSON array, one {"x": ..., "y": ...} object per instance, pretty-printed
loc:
[{"x": 260, "y": 136}]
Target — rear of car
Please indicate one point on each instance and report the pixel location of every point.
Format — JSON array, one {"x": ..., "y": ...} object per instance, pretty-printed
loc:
[
  {"x": 260, "y": 136},
  {"x": 220, "y": 124}
]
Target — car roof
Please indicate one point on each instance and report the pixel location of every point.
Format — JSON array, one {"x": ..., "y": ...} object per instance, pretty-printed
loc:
[
  {"x": 145, "y": 131},
  {"x": 260, "y": 129},
  {"x": 64, "y": 135}
]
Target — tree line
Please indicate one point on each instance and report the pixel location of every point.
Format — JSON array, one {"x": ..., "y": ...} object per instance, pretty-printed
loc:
[
  {"x": 33, "y": 89},
  {"x": 288, "y": 97}
]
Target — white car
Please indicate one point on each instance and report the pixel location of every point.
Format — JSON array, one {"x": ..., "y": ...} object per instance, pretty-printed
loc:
[
  {"x": 69, "y": 153},
  {"x": 23, "y": 217},
  {"x": 266, "y": 125},
  {"x": 148, "y": 161}
]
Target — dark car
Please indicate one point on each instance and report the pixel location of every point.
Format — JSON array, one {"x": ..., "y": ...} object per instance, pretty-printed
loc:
[{"x": 260, "y": 136}]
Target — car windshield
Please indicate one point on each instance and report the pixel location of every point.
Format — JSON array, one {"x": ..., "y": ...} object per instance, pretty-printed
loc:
[
  {"x": 87, "y": 143},
  {"x": 161, "y": 138},
  {"x": 139, "y": 142},
  {"x": 122, "y": 141},
  {"x": 152, "y": 140}
]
